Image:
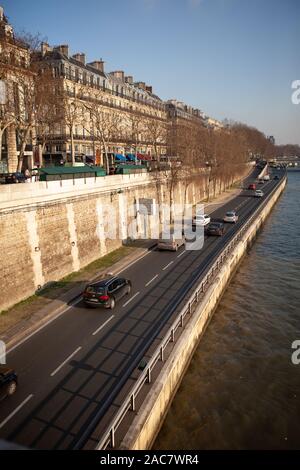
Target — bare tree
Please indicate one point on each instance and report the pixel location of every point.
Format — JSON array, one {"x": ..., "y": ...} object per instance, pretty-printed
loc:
[
  {"x": 47, "y": 113},
  {"x": 71, "y": 112},
  {"x": 136, "y": 128},
  {"x": 156, "y": 134},
  {"x": 7, "y": 112}
]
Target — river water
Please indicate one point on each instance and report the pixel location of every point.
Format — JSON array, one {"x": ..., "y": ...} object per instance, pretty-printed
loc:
[{"x": 241, "y": 390}]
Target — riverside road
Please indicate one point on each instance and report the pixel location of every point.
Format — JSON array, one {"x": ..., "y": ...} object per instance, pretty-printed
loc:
[{"x": 78, "y": 366}]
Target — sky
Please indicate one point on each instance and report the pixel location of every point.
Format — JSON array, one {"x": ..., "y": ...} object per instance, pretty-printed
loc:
[{"x": 233, "y": 59}]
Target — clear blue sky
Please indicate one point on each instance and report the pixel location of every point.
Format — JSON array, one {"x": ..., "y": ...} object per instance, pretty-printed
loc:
[{"x": 231, "y": 58}]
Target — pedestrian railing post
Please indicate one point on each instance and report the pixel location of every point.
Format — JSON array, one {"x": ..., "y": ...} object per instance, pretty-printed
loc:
[
  {"x": 132, "y": 405},
  {"x": 161, "y": 353},
  {"x": 112, "y": 437},
  {"x": 172, "y": 335}
]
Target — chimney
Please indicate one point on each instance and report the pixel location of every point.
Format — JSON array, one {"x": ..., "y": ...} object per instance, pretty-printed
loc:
[
  {"x": 118, "y": 74},
  {"x": 97, "y": 64},
  {"x": 80, "y": 57},
  {"x": 45, "y": 48},
  {"x": 149, "y": 88},
  {"x": 129, "y": 79},
  {"x": 141, "y": 85},
  {"x": 63, "y": 48}
]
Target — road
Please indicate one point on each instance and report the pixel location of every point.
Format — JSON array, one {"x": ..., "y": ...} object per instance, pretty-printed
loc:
[{"x": 76, "y": 365}]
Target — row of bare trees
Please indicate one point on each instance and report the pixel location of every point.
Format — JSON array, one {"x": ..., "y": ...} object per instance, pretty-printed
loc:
[{"x": 39, "y": 104}]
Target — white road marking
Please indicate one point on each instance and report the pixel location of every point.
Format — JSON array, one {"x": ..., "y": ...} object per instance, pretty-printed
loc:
[
  {"x": 181, "y": 254},
  {"x": 151, "y": 280},
  {"x": 102, "y": 326},
  {"x": 15, "y": 411},
  {"x": 63, "y": 363},
  {"x": 133, "y": 262},
  {"x": 128, "y": 301},
  {"x": 166, "y": 267}
]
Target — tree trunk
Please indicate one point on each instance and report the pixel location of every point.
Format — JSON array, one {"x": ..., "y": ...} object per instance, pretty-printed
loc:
[
  {"x": 22, "y": 149},
  {"x": 21, "y": 155},
  {"x": 72, "y": 147},
  {"x": 106, "y": 156}
]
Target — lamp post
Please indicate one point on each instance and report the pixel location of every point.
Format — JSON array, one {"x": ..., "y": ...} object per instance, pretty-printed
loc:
[{"x": 3, "y": 94}]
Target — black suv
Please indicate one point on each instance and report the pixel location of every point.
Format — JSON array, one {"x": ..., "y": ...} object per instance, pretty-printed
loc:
[
  {"x": 8, "y": 381},
  {"x": 215, "y": 228},
  {"x": 105, "y": 293}
]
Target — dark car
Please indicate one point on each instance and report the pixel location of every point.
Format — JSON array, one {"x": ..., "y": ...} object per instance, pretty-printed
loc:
[
  {"x": 252, "y": 186},
  {"x": 16, "y": 177},
  {"x": 8, "y": 381},
  {"x": 276, "y": 177},
  {"x": 215, "y": 228},
  {"x": 107, "y": 292}
]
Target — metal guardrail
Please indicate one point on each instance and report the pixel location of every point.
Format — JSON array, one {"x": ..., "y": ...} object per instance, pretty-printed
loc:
[{"x": 108, "y": 439}]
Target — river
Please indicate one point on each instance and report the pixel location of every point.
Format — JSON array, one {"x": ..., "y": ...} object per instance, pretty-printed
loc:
[{"x": 241, "y": 390}]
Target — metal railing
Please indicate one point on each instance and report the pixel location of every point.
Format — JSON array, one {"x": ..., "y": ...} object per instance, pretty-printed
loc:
[{"x": 108, "y": 438}]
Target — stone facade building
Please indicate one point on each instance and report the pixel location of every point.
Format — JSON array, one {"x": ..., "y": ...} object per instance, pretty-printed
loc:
[{"x": 117, "y": 98}]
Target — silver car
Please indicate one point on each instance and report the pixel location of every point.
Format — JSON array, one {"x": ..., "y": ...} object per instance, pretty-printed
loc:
[{"x": 231, "y": 217}]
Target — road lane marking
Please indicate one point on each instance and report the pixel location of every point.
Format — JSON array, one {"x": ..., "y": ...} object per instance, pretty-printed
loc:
[
  {"x": 43, "y": 326},
  {"x": 151, "y": 280},
  {"x": 15, "y": 411},
  {"x": 166, "y": 267},
  {"x": 135, "y": 261},
  {"x": 68, "y": 307},
  {"x": 102, "y": 326},
  {"x": 128, "y": 301},
  {"x": 181, "y": 254},
  {"x": 63, "y": 363}
]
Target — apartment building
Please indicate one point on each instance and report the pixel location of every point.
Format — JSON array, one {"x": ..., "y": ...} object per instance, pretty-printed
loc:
[
  {"x": 115, "y": 114},
  {"x": 96, "y": 114}
]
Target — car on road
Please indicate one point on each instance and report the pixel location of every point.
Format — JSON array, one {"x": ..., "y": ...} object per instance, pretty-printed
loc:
[
  {"x": 107, "y": 292},
  {"x": 231, "y": 216},
  {"x": 252, "y": 186},
  {"x": 267, "y": 178},
  {"x": 276, "y": 177},
  {"x": 201, "y": 220},
  {"x": 8, "y": 381},
  {"x": 260, "y": 181},
  {"x": 172, "y": 243},
  {"x": 258, "y": 193},
  {"x": 16, "y": 177},
  {"x": 215, "y": 228}
]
